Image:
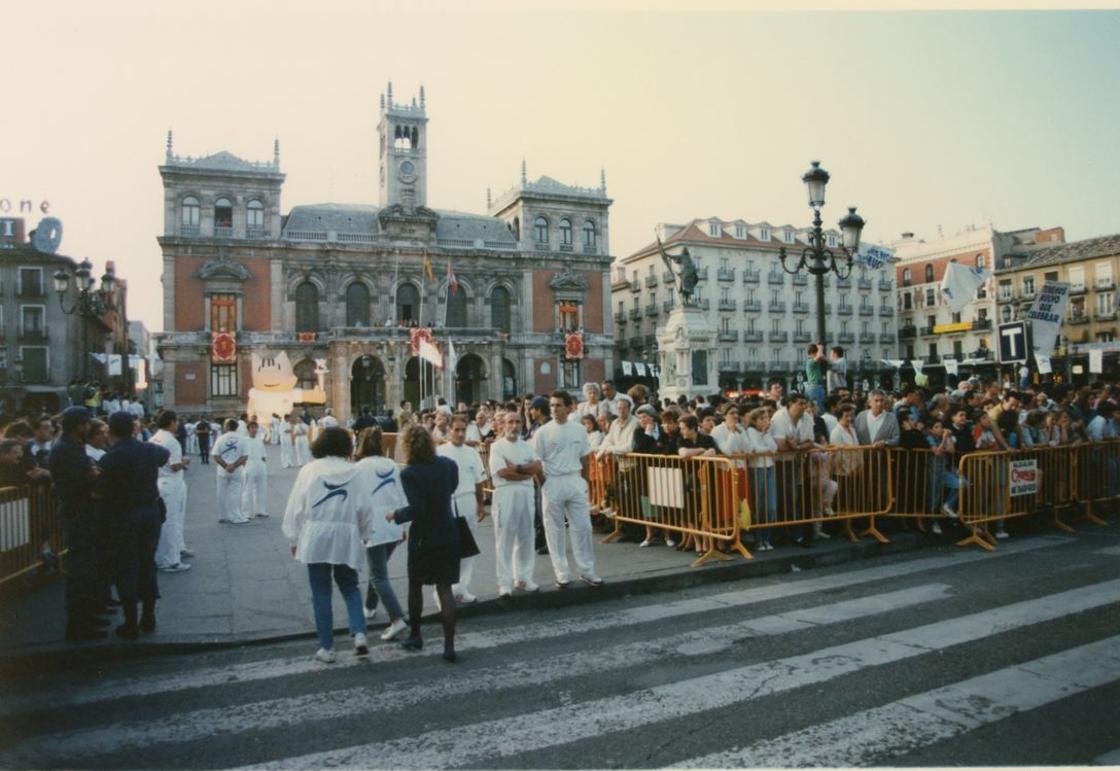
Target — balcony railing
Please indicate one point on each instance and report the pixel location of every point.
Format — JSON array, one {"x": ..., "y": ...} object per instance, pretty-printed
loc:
[
  {"x": 752, "y": 276},
  {"x": 777, "y": 365},
  {"x": 565, "y": 247},
  {"x": 1105, "y": 316},
  {"x": 651, "y": 309},
  {"x": 844, "y": 310},
  {"x": 651, "y": 341},
  {"x": 847, "y": 337},
  {"x": 667, "y": 277},
  {"x": 865, "y": 284},
  {"x": 801, "y": 337},
  {"x": 1104, "y": 283},
  {"x": 982, "y": 324},
  {"x": 635, "y": 341},
  {"x": 886, "y": 337},
  {"x": 725, "y": 274},
  {"x": 777, "y": 306},
  {"x": 866, "y": 310},
  {"x": 189, "y": 230},
  {"x": 620, "y": 318},
  {"x": 752, "y": 336},
  {"x": 635, "y": 313},
  {"x": 933, "y": 358},
  {"x": 727, "y": 305},
  {"x": 635, "y": 286},
  {"x": 754, "y": 365},
  {"x": 667, "y": 305},
  {"x": 702, "y": 274},
  {"x": 777, "y": 279},
  {"x": 651, "y": 280},
  {"x": 256, "y": 233},
  {"x": 1077, "y": 289},
  {"x": 866, "y": 338},
  {"x": 800, "y": 279},
  {"x": 729, "y": 337},
  {"x": 752, "y": 306},
  {"x": 844, "y": 283},
  {"x": 1079, "y": 318},
  {"x": 885, "y": 286},
  {"x": 704, "y": 304},
  {"x": 32, "y": 335},
  {"x": 907, "y": 332},
  {"x": 590, "y": 248},
  {"x": 800, "y": 307},
  {"x": 927, "y": 331},
  {"x": 223, "y": 231},
  {"x": 886, "y": 310},
  {"x": 729, "y": 366},
  {"x": 777, "y": 337}
]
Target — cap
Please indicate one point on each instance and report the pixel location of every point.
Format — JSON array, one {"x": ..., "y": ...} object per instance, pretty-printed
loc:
[
  {"x": 73, "y": 417},
  {"x": 540, "y": 403},
  {"x": 647, "y": 410}
]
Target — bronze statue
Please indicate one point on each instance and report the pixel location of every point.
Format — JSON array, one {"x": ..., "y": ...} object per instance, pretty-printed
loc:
[{"x": 687, "y": 277}]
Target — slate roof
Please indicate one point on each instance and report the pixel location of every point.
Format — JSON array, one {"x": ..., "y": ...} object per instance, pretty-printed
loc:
[
  {"x": 1102, "y": 246},
  {"x": 546, "y": 184},
  {"x": 221, "y": 161},
  {"x": 457, "y": 224},
  {"x": 339, "y": 217}
]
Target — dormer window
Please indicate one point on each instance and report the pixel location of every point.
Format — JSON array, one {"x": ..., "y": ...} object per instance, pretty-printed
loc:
[
  {"x": 713, "y": 228},
  {"x": 832, "y": 239},
  {"x": 765, "y": 234},
  {"x": 789, "y": 236},
  {"x": 929, "y": 273},
  {"x": 740, "y": 231},
  {"x": 223, "y": 213}
]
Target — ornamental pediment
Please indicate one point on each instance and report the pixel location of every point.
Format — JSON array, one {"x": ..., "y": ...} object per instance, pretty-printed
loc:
[
  {"x": 568, "y": 279},
  {"x": 223, "y": 268}
]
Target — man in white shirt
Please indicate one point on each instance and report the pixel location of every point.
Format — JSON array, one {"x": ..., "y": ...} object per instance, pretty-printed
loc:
[
  {"x": 137, "y": 409},
  {"x": 792, "y": 430},
  {"x": 328, "y": 420},
  {"x": 837, "y": 375},
  {"x": 513, "y": 464},
  {"x": 468, "y": 501},
  {"x": 173, "y": 490},
  {"x": 301, "y": 444},
  {"x": 229, "y": 455},
  {"x": 561, "y": 444},
  {"x": 255, "y": 501}
]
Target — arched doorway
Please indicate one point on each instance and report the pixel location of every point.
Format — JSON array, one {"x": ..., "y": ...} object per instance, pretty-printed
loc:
[
  {"x": 367, "y": 384},
  {"x": 469, "y": 374},
  {"x": 509, "y": 380},
  {"x": 412, "y": 382}
]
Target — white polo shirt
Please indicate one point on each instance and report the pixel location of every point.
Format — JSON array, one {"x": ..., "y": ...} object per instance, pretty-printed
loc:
[
  {"x": 781, "y": 426},
  {"x": 471, "y": 471},
  {"x": 517, "y": 453},
  {"x": 167, "y": 439},
  {"x": 561, "y": 447}
]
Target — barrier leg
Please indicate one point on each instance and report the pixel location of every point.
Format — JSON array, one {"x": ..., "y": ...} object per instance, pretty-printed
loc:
[
  {"x": 975, "y": 538},
  {"x": 1091, "y": 517},
  {"x": 615, "y": 534},
  {"x": 874, "y": 532},
  {"x": 849, "y": 532},
  {"x": 737, "y": 545},
  {"x": 711, "y": 554},
  {"x": 1058, "y": 523}
]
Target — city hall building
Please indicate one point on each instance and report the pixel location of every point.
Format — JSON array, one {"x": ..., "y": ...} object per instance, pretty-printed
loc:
[{"x": 333, "y": 291}]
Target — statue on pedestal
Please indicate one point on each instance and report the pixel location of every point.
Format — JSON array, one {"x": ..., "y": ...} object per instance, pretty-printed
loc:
[{"x": 687, "y": 276}]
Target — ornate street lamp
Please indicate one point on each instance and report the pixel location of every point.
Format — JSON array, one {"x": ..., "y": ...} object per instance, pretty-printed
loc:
[
  {"x": 816, "y": 258},
  {"x": 90, "y": 303}
]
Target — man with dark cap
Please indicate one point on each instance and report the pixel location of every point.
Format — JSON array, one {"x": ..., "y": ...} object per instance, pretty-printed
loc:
[
  {"x": 129, "y": 494},
  {"x": 73, "y": 475}
]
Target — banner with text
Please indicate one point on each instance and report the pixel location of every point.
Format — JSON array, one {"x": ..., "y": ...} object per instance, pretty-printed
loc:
[{"x": 1046, "y": 315}]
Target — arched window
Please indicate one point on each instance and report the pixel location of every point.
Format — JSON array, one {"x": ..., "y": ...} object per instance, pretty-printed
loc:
[
  {"x": 566, "y": 232},
  {"x": 223, "y": 213},
  {"x": 456, "y": 308},
  {"x": 307, "y": 307},
  {"x": 540, "y": 230},
  {"x": 357, "y": 305},
  {"x": 499, "y": 308},
  {"x": 254, "y": 215},
  {"x": 190, "y": 213},
  {"x": 906, "y": 276},
  {"x": 588, "y": 234},
  {"x": 408, "y": 303},
  {"x": 305, "y": 375},
  {"x": 929, "y": 273}
]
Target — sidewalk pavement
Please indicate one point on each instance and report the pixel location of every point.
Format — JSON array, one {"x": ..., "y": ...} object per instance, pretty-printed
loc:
[{"x": 244, "y": 586}]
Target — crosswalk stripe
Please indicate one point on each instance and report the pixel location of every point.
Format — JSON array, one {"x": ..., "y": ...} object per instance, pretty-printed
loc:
[
  {"x": 1108, "y": 759},
  {"x": 879, "y": 736},
  {"x": 278, "y": 713},
  {"x": 471, "y": 744},
  {"x": 748, "y": 595},
  {"x": 1109, "y": 551}
]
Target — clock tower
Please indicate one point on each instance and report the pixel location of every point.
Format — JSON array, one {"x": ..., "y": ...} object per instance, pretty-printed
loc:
[{"x": 403, "y": 153}]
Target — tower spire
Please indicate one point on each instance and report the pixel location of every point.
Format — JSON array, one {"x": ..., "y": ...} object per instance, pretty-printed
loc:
[
  {"x": 170, "y": 150},
  {"x": 487, "y": 198},
  {"x": 389, "y": 95},
  {"x": 382, "y": 100},
  {"x": 603, "y": 179},
  {"x": 524, "y": 173},
  {"x": 422, "y": 96},
  {"x": 276, "y": 152}
]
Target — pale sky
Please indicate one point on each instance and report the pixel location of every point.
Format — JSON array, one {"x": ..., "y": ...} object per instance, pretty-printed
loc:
[{"x": 924, "y": 118}]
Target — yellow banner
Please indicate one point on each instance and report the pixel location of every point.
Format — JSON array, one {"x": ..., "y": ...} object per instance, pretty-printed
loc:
[{"x": 940, "y": 329}]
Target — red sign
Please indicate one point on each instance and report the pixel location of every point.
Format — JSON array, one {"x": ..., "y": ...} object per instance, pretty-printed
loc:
[
  {"x": 573, "y": 345},
  {"x": 306, "y": 337},
  {"x": 223, "y": 348}
]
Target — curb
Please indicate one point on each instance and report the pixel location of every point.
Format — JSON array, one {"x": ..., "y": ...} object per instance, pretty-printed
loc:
[{"x": 59, "y": 655}]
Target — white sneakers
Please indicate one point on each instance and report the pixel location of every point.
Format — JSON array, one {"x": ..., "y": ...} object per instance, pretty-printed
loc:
[
  {"x": 936, "y": 529},
  {"x": 592, "y": 580},
  {"x": 394, "y": 629},
  {"x": 361, "y": 646},
  {"x": 178, "y": 567},
  {"x": 948, "y": 512},
  {"x": 527, "y": 586},
  {"x": 370, "y": 613},
  {"x": 325, "y": 655}
]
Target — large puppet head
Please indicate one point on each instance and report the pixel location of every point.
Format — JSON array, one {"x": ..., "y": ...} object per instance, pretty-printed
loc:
[{"x": 273, "y": 373}]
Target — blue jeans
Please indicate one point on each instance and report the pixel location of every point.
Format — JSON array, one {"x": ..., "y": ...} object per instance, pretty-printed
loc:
[
  {"x": 765, "y": 501},
  {"x": 815, "y": 392},
  {"x": 379, "y": 588},
  {"x": 346, "y": 577}
]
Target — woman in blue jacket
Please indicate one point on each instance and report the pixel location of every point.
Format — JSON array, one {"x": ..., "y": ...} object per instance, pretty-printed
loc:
[{"x": 433, "y": 540}]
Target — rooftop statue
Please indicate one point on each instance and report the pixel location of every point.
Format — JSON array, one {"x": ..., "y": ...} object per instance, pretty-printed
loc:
[{"x": 686, "y": 276}]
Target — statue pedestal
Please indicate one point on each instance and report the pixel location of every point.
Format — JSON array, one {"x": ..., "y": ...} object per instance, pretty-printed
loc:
[{"x": 686, "y": 349}]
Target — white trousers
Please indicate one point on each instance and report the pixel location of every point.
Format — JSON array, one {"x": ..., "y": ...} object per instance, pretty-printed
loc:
[
  {"x": 174, "y": 495},
  {"x": 513, "y": 535},
  {"x": 255, "y": 500},
  {"x": 274, "y": 436},
  {"x": 303, "y": 451},
  {"x": 229, "y": 497},
  {"x": 466, "y": 505},
  {"x": 192, "y": 444},
  {"x": 566, "y": 497},
  {"x": 285, "y": 451}
]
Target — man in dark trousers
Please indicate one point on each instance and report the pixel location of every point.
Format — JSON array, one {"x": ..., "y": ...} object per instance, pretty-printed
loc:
[
  {"x": 73, "y": 474},
  {"x": 129, "y": 495}
]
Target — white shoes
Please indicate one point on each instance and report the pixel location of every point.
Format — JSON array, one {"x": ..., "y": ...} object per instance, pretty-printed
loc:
[
  {"x": 361, "y": 646},
  {"x": 1002, "y": 534},
  {"x": 178, "y": 567},
  {"x": 394, "y": 629},
  {"x": 670, "y": 542},
  {"x": 528, "y": 586},
  {"x": 948, "y": 512},
  {"x": 592, "y": 580},
  {"x": 645, "y": 543},
  {"x": 325, "y": 655},
  {"x": 936, "y": 529},
  {"x": 370, "y": 613},
  {"x": 818, "y": 532}
]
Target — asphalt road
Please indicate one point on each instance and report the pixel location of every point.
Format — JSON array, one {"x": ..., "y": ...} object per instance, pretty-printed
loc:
[{"x": 937, "y": 658}]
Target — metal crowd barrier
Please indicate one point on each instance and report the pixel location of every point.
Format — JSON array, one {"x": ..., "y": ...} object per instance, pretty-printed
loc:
[
  {"x": 1097, "y": 477},
  {"x": 29, "y": 521},
  {"x": 698, "y": 497}
]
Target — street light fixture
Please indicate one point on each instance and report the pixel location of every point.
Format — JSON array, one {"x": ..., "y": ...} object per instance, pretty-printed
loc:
[
  {"x": 90, "y": 303},
  {"x": 816, "y": 258}
]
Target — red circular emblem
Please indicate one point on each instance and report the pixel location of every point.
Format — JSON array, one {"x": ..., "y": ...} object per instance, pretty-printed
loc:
[
  {"x": 573, "y": 346},
  {"x": 223, "y": 347}
]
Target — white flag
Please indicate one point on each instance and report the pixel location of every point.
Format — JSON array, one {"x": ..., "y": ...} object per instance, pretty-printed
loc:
[
  {"x": 896, "y": 363},
  {"x": 952, "y": 367},
  {"x": 917, "y": 365},
  {"x": 627, "y": 368},
  {"x": 1096, "y": 361},
  {"x": 451, "y": 357},
  {"x": 431, "y": 354},
  {"x": 960, "y": 283},
  {"x": 1043, "y": 363},
  {"x": 641, "y": 367}
]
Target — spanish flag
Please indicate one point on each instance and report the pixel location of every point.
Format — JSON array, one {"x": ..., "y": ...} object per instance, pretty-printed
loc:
[{"x": 428, "y": 267}]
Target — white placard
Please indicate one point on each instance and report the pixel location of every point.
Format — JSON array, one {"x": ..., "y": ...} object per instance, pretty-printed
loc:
[
  {"x": 952, "y": 367},
  {"x": 1096, "y": 362},
  {"x": 917, "y": 365},
  {"x": 1046, "y": 315},
  {"x": 1043, "y": 363},
  {"x": 666, "y": 487},
  {"x": 1024, "y": 477},
  {"x": 641, "y": 367},
  {"x": 627, "y": 368}
]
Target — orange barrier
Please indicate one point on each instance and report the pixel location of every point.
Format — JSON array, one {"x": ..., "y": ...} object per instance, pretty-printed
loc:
[
  {"x": 697, "y": 497},
  {"x": 28, "y": 521},
  {"x": 1097, "y": 475}
]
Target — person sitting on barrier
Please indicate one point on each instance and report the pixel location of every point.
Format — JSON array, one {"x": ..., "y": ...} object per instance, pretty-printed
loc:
[{"x": 764, "y": 493}]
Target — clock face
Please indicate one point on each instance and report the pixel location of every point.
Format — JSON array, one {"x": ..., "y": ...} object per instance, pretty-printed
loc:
[{"x": 407, "y": 169}]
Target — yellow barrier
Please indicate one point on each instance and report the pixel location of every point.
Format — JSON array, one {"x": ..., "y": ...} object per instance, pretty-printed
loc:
[
  {"x": 1097, "y": 475},
  {"x": 1045, "y": 478},
  {"x": 698, "y": 497},
  {"x": 28, "y": 520}
]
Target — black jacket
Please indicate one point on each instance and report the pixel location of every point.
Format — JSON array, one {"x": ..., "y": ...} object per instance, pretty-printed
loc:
[{"x": 429, "y": 487}]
